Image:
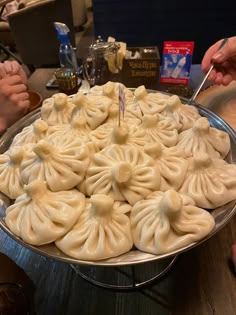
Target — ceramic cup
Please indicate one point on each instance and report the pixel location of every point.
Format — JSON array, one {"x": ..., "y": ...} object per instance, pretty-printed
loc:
[{"x": 35, "y": 100}]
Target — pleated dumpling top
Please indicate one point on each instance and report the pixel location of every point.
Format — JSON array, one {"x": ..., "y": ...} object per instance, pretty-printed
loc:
[
  {"x": 123, "y": 172},
  {"x": 108, "y": 134},
  {"x": 57, "y": 109},
  {"x": 211, "y": 182},
  {"x": 77, "y": 131},
  {"x": 202, "y": 138},
  {"x": 62, "y": 165},
  {"x": 10, "y": 162},
  {"x": 111, "y": 91},
  {"x": 132, "y": 115},
  {"x": 31, "y": 134},
  {"x": 165, "y": 222},
  {"x": 40, "y": 216},
  {"x": 102, "y": 231},
  {"x": 150, "y": 103},
  {"x": 93, "y": 111},
  {"x": 184, "y": 115},
  {"x": 171, "y": 163},
  {"x": 159, "y": 129}
]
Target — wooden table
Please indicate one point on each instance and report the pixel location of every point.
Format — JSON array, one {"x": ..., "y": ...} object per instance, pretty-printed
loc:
[
  {"x": 200, "y": 283},
  {"x": 40, "y": 77},
  {"x": 38, "y": 80}
]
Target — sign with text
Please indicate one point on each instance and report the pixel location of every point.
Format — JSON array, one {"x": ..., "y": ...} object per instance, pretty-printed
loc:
[
  {"x": 176, "y": 62},
  {"x": 142, "y": 70}
]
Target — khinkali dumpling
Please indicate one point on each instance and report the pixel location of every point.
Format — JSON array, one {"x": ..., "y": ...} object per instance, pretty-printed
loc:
[
  {"x": 31, "y": 134},
  {"x": 204, "y": 139},
  {"x": 102, "y": 231},
  {"x": 132, "y": 115},
  {"x": 172, "y": 165},
  {"x": 93, "y": 113},
  {"x": 210, "y": 182},
  {"x": 57, "y": 109},
  {"x": 165, "y": 222},
  {"x": 77, "y": 128},
  {"x": 10, "y": 162},
  {"x": 64, "y": 134},
  {"x": 122, "y": 172},
  {"x": 160, "y": 129},
  {"x": 61, "y": 165},
  {"x": 40, "y": 216},
  {"x": 124, "y": 134},
  {"x": 184, "y": 115},
  {"x": 111, "y": 91},
  {"x": 150, "y": 103}
]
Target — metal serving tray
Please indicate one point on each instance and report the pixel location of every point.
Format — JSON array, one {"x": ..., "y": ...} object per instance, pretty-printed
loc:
[{"x": 222, "y": 215}]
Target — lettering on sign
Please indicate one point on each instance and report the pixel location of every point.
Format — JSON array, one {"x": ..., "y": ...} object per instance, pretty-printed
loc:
[
  {"x": 142, "y": 64},
  {"x": 143, "y": 73}
]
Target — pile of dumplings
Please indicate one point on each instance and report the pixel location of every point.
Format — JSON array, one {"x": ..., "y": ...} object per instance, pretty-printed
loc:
[{"x": 97, "y": 188}]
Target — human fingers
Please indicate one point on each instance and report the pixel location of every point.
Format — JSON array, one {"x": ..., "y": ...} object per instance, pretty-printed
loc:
[
  {"x": 3, "y": 73},
  {"x": 229, "y": 68},
  {"x": 23, "y": 75},
  {"x": 24, "y": 105},
  {"x": 227, "y": 79},
  {"x": 219, "y": 78},
  {"x": 207, "y": 58},
  {"x": 19, "y": 97},
  {"x": 8, "y": 90},
  {"x": 11, "y": 80},
  {"x": 11, "y": 67},
  {"x": 226, "y": 52},
  {"x": 212, "y": 75},
  {"x": 3, "y": 125}
]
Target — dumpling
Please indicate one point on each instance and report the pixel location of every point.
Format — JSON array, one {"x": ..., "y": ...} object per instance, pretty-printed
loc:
[
  {"x": 150, "y": 103},
  {"x": 132, "y": 115},
  {"x": 68, "y": 133},
  {"x": 204, "y": 139},
  {"x": 210, "y": 182},
  {"x": 111, "y": 91},
  {"x": 76, "y": 134},
  {"x": 77, "y": 128},
  {"x": 40, "y": 216},
  {"x": 62, "y": 166},
  {"x": 165, "y": 222},
  {"x": 31, "y": 134},
  {"x": 93, "y": 111},
  {"x": 184, "y": 115},
  {"x": 172, "y": 165},
  {"x": 10, "y": 162},
  {"x": 122, "y": 172},
  {"x": 102, "y": 231},
  {"x": 160, "y": 129},
  {"x": 124, "y": 134},
  {"x": 57, "y": 109}
]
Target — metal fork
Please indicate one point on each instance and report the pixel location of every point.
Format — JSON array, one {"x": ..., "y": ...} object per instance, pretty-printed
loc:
[{"x": 224, "y": 41}]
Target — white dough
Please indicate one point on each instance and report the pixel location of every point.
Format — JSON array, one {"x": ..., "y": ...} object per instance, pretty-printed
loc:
[
  {"x": 102, "y": 231},
  {"x": 165, "y": 222},
  {"x": 40, "y": 216}
]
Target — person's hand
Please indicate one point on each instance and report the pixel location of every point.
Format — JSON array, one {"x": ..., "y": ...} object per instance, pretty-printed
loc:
[
  {"x": 8, "y": 68},
  {"x": 224, "y": 61},
  {"x": 14, "y": 100}
]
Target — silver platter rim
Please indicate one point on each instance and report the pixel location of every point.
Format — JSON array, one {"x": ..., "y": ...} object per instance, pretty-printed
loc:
[{"x": 222, "y": 215}]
